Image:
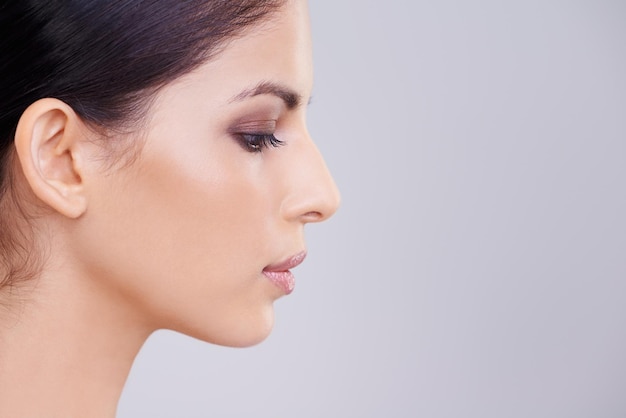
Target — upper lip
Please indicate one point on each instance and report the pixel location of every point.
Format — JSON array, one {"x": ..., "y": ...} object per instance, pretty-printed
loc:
[{"x": 288, "y": 263}]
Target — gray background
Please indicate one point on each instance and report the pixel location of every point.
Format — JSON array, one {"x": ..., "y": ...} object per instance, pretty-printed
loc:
[{"x": 477, "y": 266}]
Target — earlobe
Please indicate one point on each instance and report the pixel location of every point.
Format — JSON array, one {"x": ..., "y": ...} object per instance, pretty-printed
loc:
[{"x": 48, "y": 143}]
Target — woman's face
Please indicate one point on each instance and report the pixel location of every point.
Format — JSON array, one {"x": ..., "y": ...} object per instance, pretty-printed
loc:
[{"x": 186, "y": 231}]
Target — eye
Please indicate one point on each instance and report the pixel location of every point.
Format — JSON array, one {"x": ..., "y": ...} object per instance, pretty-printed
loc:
[{"x": 257, "y": 142}]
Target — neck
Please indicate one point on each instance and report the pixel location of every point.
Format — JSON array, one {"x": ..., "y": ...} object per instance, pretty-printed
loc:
[{"x": 65, "y": 349}]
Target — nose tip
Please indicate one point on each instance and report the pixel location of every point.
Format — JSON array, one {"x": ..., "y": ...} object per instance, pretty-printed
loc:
[{"x": 326, "y": 204}]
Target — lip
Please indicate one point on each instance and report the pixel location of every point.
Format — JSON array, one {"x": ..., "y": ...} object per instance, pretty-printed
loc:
[{"x": 280, "y": 275}]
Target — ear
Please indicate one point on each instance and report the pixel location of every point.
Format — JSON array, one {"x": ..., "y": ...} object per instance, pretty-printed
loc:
[{"x": 48, "y": 143}]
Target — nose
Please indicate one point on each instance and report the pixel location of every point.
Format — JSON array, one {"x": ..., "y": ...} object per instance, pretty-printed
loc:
[{"x": 313, "y": 195}]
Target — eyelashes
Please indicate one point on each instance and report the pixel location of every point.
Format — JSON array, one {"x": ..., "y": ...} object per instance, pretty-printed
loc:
[
  {"x": 256, "y": 134},
  {"x": 257, "y": 142}
]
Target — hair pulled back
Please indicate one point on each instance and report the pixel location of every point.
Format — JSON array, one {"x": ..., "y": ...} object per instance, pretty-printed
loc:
[{"x": 105, "y": 59}]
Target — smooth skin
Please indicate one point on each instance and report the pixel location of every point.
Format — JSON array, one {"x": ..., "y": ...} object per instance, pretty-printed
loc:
[{"x": 177, "y": 238}]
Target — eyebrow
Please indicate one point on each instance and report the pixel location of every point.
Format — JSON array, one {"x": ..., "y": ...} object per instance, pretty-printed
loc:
[{"x": 287, "y": 95}]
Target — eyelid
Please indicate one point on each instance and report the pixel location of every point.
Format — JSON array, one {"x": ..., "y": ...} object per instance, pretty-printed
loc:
[
  {"x": 256, "y": 135},
  {"x": 267, "y": 125}
]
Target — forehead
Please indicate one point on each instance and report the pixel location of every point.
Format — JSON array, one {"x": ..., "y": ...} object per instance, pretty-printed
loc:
[{"x": 277, "y": 50}]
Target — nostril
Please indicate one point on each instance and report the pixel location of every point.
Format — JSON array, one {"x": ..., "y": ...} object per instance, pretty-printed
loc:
[{"x": 313, "y": 216}]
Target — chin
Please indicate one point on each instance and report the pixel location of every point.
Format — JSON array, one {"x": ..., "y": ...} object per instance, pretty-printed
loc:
[{"x": 246, "y": 331}]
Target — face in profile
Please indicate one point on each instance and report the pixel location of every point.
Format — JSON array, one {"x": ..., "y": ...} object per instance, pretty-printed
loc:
[{"x": 196, "y": 235}]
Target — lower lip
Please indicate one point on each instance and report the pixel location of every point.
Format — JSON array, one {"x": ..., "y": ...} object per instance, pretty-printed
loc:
[{"x": 282, "y": 279}]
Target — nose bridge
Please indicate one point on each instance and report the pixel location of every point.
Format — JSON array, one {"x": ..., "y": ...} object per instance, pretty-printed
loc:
[{"x": 313, "y": 194}]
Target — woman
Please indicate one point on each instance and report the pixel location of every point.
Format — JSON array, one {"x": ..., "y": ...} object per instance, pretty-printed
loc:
[{"x": 156, "y": 173}]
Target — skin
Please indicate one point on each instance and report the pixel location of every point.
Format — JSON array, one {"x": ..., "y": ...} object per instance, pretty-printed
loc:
[{"x": 177, "y": 239}]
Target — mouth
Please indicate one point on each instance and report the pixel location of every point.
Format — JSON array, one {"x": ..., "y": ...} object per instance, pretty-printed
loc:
[{"x": 280, "y": 275}]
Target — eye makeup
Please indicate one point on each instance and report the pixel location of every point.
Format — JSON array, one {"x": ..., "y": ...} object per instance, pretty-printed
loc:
[
  {"x": 256, "y": 135},
  {"x": 256, "y": 121}
]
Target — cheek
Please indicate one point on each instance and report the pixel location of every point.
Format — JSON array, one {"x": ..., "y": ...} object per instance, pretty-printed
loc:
[{"x": 185, "y": 235}]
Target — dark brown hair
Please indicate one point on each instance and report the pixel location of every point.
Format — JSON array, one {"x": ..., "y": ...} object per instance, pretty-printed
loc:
[{"x": 104, "y": 58}]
